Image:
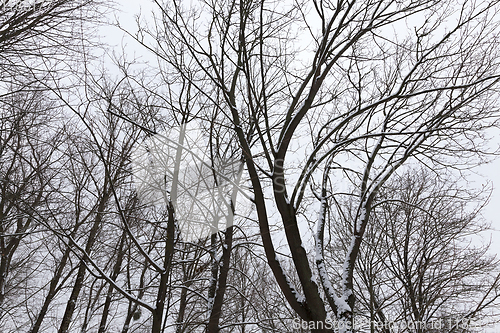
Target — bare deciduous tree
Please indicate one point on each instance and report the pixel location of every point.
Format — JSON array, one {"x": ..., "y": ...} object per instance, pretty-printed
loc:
[
  {"x": 422, "y": 261},
  {"x": 36, "y": 37},
  {"x": 322, "y": 91},
  {"x": 28, "y": 187}
]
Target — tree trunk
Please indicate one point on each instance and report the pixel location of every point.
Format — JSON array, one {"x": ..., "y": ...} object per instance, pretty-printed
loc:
[
  {"x": 82, "y": 267},
  {"x": 114, "y": 276},
  {"x": 162, "y": 290}
]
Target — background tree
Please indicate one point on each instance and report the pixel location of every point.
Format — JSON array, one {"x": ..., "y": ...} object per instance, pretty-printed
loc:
[
  {"x": 29, "y": 185},
  {"x": 38, "y": 38},
  {"x": 166, "y": 200},
  {"x": 424, "y": 260}
]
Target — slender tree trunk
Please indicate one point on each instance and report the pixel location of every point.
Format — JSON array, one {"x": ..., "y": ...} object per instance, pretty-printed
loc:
[
  {"x": 82, "y": 267},
  {"x": 162, "y": 290},
  {"x": 53, "y": 289},
  {"x": 134, "y": 306},
  {"x": 213, "y": 324},
  {"x": 114, "y": 276}
]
